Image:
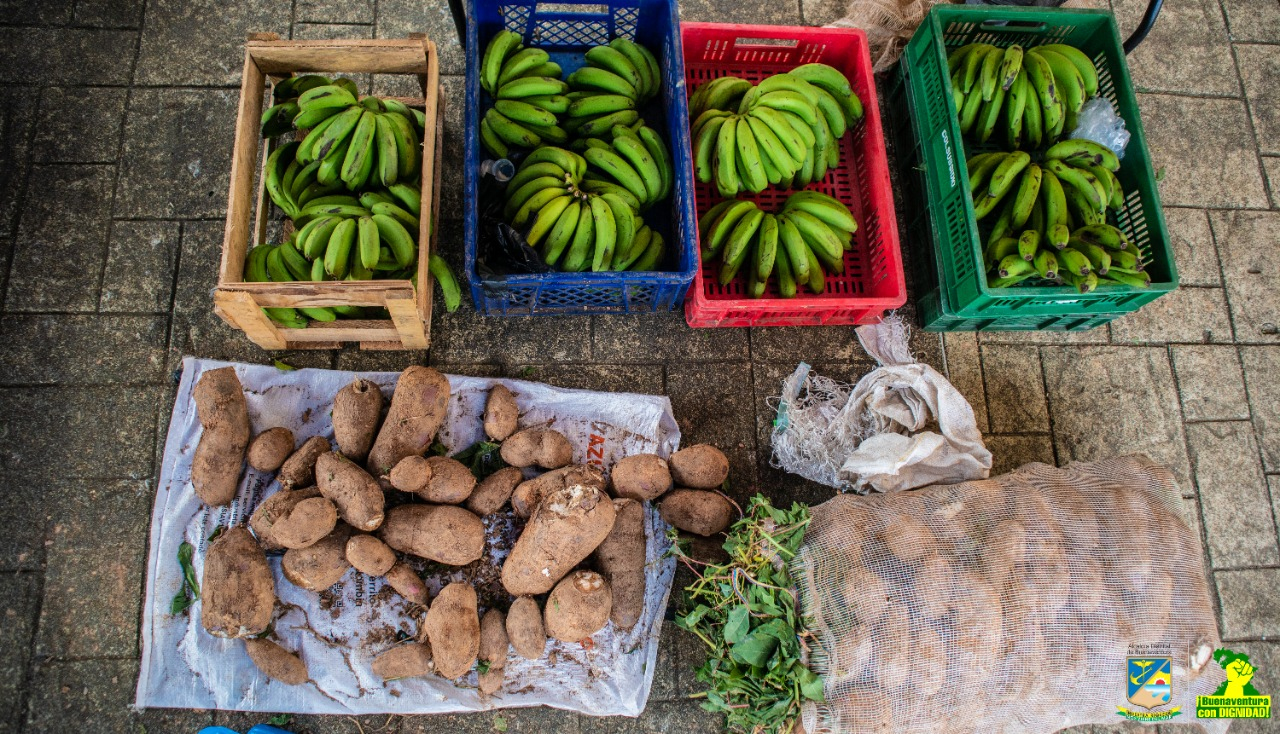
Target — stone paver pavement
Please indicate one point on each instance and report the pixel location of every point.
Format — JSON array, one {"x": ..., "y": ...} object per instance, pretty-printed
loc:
[{"x": 114, "y": 162}]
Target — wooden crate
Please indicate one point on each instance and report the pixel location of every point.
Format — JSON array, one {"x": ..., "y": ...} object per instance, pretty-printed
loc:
[{"x": 240, "y": 304}]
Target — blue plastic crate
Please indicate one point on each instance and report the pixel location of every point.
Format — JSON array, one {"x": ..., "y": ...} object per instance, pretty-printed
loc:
[{"x": 567, "y": 36}]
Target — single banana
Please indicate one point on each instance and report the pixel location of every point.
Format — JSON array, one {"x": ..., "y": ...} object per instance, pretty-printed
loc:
[
  {"x": 598, "y": 126},
  {"x": 409, "y": 221},
  {"x": 369, "y": 244},
  {"x": 661, "y": 156},
  {"x": 576, "y": 259},
  {"x": 1005, "y": 174},
  {"x": 396, "y": 237},
  {"x": 388, "y": 153},
  {"x": 279, "y": 160},
  {"x": 766, "y": 248},
  {"x": 1032, "y": 114},
  {"x": 643, "y": 62},
  {"x": 723, "y": 226},
  {"x": 500, "y": 46},
  {"x": 1028, "y": 244},
  {"x": 531, "y": 86},
  {"x": 521, "y": 63},
  {"x": 1025, "y": 199},
  {"x": 524, "y": 113},
  {"x": 491, "y": 141},
  {"x": 619, "y": 170},
  {"x": 990, "y": 114},
  {"x": 1069, "y": 83},
  {"x": 611, "y": 59},
  {"x": 561, "y": 233},
  {"x": 1010, "y": 66},
  {"x": 338, "y": 253},
  {"x": 624, "y": 260},
  {"x": 1088, "y": 72},
  {"x": 606, "y": 235},
  {"x": 1074, "y": 262},
  {"x": 792, "y": 102},
  {"x": 519, "y": 197},
  {"x": 748, "y": 155},
  {"x": 736, "y": 247},
  {"x": 590, "y": 77},
  {"x": 1083, "y": 181},
  {"x": 726, "y": 173},
  {"x": 360, "y": 152},
  {"x": 778, "y": 124},
  {"x": 1046, "y": 264},
  {"x": 1078, "y": 150},
  {"x": 772, "y": 151},
  {"x": 546, "y": 218},
  {"x": 832, "y": 80},
  {"x": 651, "y": 259},
  {"x": 556, "y": 104},
  {"x": 1040, "y": 74},
  {"x": 328, "y": 95},
  {"x": 990, "y": 74},
  {"x": 828, "y": 209},
  {"x": 786, "y": 278}
]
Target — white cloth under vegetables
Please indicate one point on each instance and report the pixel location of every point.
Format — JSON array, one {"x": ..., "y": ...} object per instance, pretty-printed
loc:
[{"x": 339, "y": 632}]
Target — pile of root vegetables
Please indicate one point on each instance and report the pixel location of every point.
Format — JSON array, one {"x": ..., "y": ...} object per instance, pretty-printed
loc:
[{"x": 377, "y": 502}]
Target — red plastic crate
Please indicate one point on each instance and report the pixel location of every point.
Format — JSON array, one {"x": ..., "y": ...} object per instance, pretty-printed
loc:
[{"x": 872, "y": 282}]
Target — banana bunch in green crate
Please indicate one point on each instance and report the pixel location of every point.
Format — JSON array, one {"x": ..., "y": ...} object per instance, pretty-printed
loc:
[
  {"x": 575, "y": 225},
  {"x": 1052, "y": 222},
  {"x": 1031, "y": 96},
  {"x": 784, "y": 131},
  {"x": 802, "y": 243}
]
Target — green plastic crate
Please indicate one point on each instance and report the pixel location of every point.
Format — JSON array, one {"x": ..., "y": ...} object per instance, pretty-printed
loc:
[{"x": 935, "y": 156}]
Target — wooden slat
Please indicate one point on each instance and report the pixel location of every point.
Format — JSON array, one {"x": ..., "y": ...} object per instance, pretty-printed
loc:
[
  {"x": 350, "y": 56},
  {"x": 345, "y": 331},
  {"x": 244, "y": 314},
  {"x": 244, "y": 156},
  {"x": 328, "y": 293},
  {"x": 428, "y": 226},
  {"x": 404, "y": 312}
]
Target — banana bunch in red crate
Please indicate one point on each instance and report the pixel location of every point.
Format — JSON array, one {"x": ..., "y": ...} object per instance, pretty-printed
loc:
[
  {"x": 802, "y": 243},
  {"x": 784, "y": 131}
]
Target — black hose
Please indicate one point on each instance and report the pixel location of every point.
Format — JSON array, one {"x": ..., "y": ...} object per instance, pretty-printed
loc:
[{"x": 1148, "y": 20}]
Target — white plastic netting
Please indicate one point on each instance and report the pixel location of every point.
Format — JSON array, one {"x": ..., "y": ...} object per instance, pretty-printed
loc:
[
  {"x": 903, "y": 425},
  {"x": 1005, "y": 605}
]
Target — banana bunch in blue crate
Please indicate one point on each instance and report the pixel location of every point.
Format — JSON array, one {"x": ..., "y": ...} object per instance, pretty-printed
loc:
[{"x": 533, "y": 106}]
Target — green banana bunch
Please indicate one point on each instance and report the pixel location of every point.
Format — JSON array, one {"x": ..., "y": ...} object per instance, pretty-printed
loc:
[
  {"x": 1032, "y": 95},
  {"x": 634, "y": 159},
  {"x": 529, "y": 93},
  {"x": 784, "y": 131},
  {"x": 803, "y": 243},
  {"x": 1053, "y": 224},
  {"x": 577, "y": 220}
]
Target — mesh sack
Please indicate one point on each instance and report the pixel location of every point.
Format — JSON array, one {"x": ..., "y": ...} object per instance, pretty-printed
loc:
[{"x": 1004, "y": 605}]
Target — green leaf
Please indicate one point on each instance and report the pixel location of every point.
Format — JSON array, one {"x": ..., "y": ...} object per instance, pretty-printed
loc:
[
  {"x": 280, "y": 720},
  {"x": 181, "y": 603},
  {"x": 1160, "y": 174},
  {"x": 186, "y": 552},
  {"x": 810, "y": 684},
  {"x": 755, "y": 649},
  {"x": 739, "y": 621},
  {"x": 482, "y": 667},
  {"x": 499, "y": 724},
  {"x": 284, "y": 366}
]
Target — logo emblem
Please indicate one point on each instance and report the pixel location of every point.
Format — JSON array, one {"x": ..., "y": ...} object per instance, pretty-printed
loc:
[
  {"x": 1236, "y": 698},
  {"x": 1150, "y": 682}
]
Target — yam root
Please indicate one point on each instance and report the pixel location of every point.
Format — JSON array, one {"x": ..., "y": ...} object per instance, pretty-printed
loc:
[
  {"x": 418, "y": 409},
  {"x": 564, "y": 529},
  {"x": 441, "y": 533},
  {"x": 308, "y": 522},
  {"x": 451, "y": 481},
  {"x": 524, "y": 628},
  {"x": 407, "y": 660},
  {"x": 697, "y": 511},
  {"x": 224, "y": 417},
  {"x": 269, "y": 449},
  {"x": 238, "y": 591},
  {"x": 578, "y": 607},
  {"x": 412, "y": 474},
  {"x": 299, "y": 470},
  {"x": 493, "y": 651},
  {"x": 407, "y": 583},
  {"x": 494, "y": 491},
  {"x": 542, "y": 447},
  {"x": 356, "y": 410},
  {"x": 357, "y": 495},
  {"x": 621, "y": 559},
  {"x": 701, "y": 467},
  {"x": 274, "y": 508},
  {"x": 641, "y": 477},
  {"x": 275, "y": 662},
  {"x": 453, "y": 629},
  {"x": 528, "y": 494},
  {"x": 321, "y": 565},
  {"x": 370, "y": 556},
  {"x": 500, "y": 413}
]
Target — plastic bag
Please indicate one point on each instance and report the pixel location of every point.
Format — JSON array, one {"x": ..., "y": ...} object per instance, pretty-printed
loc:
[
  {"x": 1006, "y": 605},
  {"x": 877, "y": 433},
  {"x": 1099, "y": 122}
]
